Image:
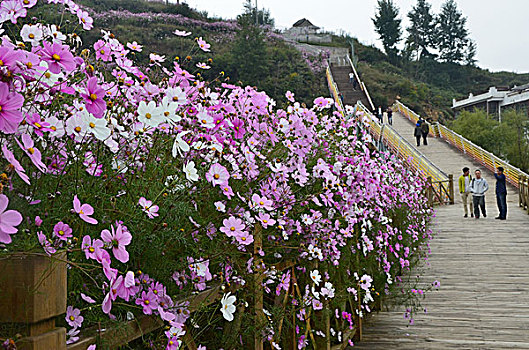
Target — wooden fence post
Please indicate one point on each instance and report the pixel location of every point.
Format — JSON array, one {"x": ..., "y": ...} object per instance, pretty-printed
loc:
[
  {"x": 33, "y": 289},
  {"x": 258, "y": 291},
  {"x": 451, "y": 188},
  {"x": 429, "y": 191}
]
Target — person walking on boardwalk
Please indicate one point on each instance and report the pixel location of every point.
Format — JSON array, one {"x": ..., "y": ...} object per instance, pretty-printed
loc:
[
  {"x": 464, "y": 190},
  {"x": 379, "y": 115},
  {"x": 425, "y": 129},
  {"x": 390, "y": 116},
  {"x": 501, "y": 193},
  {"x": 478, "y": 187},
  {"x": 418, "y": 133}
]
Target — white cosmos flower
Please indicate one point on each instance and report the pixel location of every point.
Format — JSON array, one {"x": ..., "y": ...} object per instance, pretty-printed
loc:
[
  {"x": 98, "y": 127},
  {"x": 177, "y": 95},
  {"x": 220, "y": 206},
  {"x": 168, "y": 109},
  {"x": 191, "y": 171},
  {"x": 53, "y": 32},
  {"x": 227, "y": 308},
  {"x": 149, "y": 114},
  {"x": 205, "y": 120},
  {"x": 31, "y": 33},
  {"x": 315, "y": 277},
  {"x": 180, "y": 146}
]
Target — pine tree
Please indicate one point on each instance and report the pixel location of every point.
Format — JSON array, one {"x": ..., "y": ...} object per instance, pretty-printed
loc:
[
  {"x": 452, "y": 34},
  {"x": 387, "y": 25},
  {"x": 422, "y": 29},
  {"x": 470, "y": 54}
]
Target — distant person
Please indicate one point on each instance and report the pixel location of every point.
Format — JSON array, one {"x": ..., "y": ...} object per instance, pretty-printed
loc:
[
  {"x": 478, "y": 187},
  {"x": 384, "y": 116},
  {"x": 501, "y": 193},
  {"x": 464, "y": 191},
  {"x": 351, "y": 78},
  {"x": 390, "y": 116},
  {"x": 418, "y": 133},
  {"x": 379, "y": 114},
  {"x": 425, "y": 129},
  {"x": 341, "y": 98}
]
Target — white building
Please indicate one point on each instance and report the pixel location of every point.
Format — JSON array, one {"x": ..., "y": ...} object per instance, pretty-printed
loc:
[
  {"x": 304, "y": 31},
  {"x": 495, "y": 100}
]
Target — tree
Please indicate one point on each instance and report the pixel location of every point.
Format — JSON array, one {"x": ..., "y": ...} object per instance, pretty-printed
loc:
[
  {"x": 387, "y": 25},
  {"x": 253, "y": 15},
  {"x": 422, "y": 29},
  {"x": 470, "y": 54},
  {"x": 452, "y": 34}
]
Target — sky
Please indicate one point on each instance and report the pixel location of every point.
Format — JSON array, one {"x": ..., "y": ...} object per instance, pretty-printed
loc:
[{"x": 499, "y": 28}]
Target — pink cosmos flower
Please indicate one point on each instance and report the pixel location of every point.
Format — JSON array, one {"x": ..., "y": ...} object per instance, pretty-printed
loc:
[
  {"x": 29, "y": 3},
  {"x": 73, "y": 317},
  {"x": 8, "y": 220},
  {"x": 48, "y": 248},
  {"x": 244, "y": 238},
  {"x": 93, "y": 98},
  {"x": 39, "y": 125},
  {"x": 227, "y": 190},
  {"x": 149, "y": 302},
  {"x": 232, "y": 226},
  {"x": 92, "y": 347},
  {"x": 102, "y": 51},
  {"x": 134, "y": 46},
  {"x": 148, "y": 207},
  {"x": 238, "y": 127},
  {"x": 84, "y": 19},
  {"x": 365, "y": 282},
  {"x": 119, "y": 238},
  {"x": 33, "y": 153},
  {"x": 204, "y": 46},
  {"x": 87, "y": 298},
  {"x": 290, "y": 96},
  {"x": 10, "y": 105},
  {"x": 84, "y": 211},
  {"x": 91, "y": 248},
  {"x": 262, "y": 202},
  {"x": 62, "y": 231},
  {"x": 321, "y": 102},
  {"x": 58, "y": 56},
  {"x": 217, "y": 174},
  {"x": 265, "y": 219},
  {"x": 10, "y": 157}
]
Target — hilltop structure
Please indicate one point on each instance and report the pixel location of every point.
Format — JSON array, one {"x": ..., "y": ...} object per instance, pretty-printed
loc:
[
  {"x": 495, "y": 100},
  {"x": 304, "y": 31}
]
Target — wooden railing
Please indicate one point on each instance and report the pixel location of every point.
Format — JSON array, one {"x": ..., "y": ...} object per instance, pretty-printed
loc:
[
  {"x": 523, "y": 187},
  {"x": 441, "y": 185}
]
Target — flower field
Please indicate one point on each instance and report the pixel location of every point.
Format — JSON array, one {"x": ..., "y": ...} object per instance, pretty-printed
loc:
[{"x": 160, "y": 185}]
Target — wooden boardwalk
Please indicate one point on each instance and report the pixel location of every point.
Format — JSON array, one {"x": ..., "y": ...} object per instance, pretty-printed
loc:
[{"x": 483, "y": 267}]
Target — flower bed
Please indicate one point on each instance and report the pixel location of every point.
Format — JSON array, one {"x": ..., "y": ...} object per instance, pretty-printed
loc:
[{"x": 162, "y": 185}]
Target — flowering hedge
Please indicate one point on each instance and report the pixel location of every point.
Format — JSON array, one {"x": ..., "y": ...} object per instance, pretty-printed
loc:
[{"x": 163, "y": 185}]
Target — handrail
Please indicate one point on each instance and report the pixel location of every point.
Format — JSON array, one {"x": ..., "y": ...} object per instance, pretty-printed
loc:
[
  {"x": 485, "y": 158},
  {"x": 334, "y": 90},
  {"x": 361, "y": 83},
  {"x": 414, "y": 117},
  {"x": 524, "y": 193}
]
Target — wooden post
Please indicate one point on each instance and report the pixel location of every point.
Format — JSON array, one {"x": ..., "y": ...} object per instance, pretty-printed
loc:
[
  {"x": 520, "y": 191},
  {"x": 429, "y": 191},
  {"x": 451, "y": 188},
  {"x": 33, "y": 290},
  {"x": 258, "y": 288}
]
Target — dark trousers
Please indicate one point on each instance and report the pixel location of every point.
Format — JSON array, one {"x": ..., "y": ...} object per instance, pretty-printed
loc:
[
  {"x": 390, "y": 120},
  {"x": 424, "y": 139},
  {"x": 418, "y": 138},
  {"x": 501, "y": 199},
  {"x": 479, "y": 202}
]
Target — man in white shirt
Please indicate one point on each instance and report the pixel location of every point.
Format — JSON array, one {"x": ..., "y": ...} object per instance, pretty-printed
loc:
[{"x": 478, "y": 187}]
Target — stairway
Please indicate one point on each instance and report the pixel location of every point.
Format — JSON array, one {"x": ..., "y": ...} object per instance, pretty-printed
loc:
[{"x": 341, "y": 78}]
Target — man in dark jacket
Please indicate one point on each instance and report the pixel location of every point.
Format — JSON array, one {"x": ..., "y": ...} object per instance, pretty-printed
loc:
[
  {"x": 425, "y": 129},
  {"x": 501, "y": 193},
  {"x": 418, "y": 133}
]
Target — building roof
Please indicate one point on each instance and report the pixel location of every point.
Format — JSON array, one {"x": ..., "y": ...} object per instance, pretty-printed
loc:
[
  {"x": 304, "y": 23},
  {"x": 504, "y": 97}
]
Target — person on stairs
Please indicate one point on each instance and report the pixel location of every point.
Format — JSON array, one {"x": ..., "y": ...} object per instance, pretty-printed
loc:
[
  {"x": 418, "y": 133},
  {"x": 390, "y": 116},
  {"x": 425, "y": 128},
  {"x": 478, "y": 187},
  {"x": 501, "y": 193},
  {"x": 464, "y": 191}
]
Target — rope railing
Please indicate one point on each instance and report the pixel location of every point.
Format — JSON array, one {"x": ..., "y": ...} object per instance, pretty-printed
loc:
[{"x": 485, "y": 158}]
